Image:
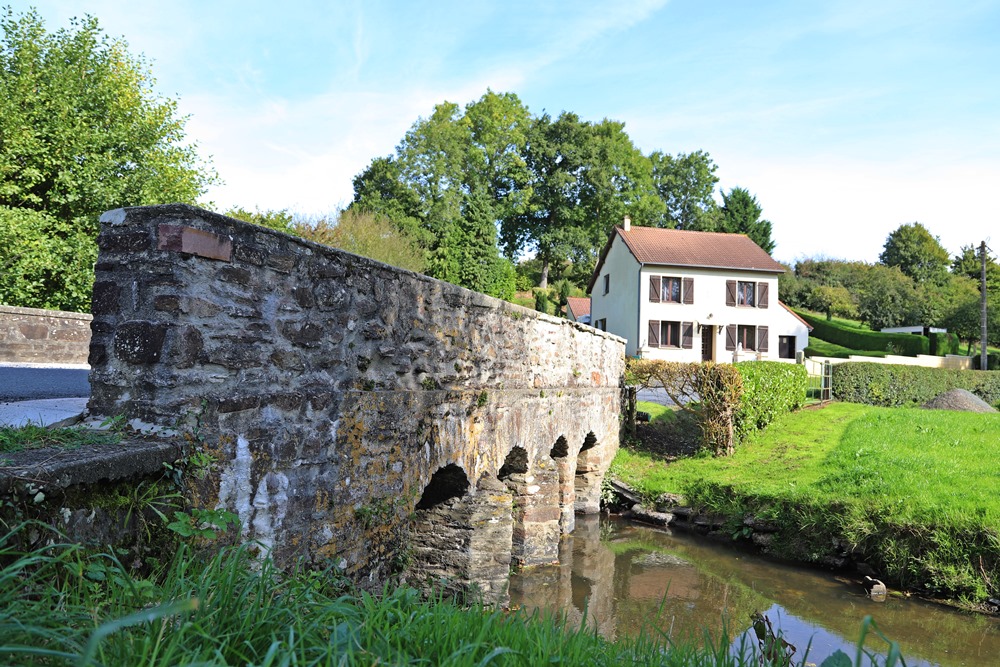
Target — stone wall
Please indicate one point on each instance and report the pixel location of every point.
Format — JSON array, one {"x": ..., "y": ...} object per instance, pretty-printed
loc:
[
  {"x": 30, "y": 335},
  {"x": 353, "y": 410}
]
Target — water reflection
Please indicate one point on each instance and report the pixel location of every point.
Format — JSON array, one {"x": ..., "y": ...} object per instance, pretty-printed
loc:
[{"x": 628, "y": 577}]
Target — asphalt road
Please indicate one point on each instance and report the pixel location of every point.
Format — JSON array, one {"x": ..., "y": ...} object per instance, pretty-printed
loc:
[{"x": 19, "y": 383}]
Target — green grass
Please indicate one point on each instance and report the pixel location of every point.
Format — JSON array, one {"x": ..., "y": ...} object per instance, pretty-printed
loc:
[
  {"x": 63, "y": 605},
  {"x": 33, "y": 436},
  {"x": 912, "y": 491},
  {"x": 658, "y": 414}
]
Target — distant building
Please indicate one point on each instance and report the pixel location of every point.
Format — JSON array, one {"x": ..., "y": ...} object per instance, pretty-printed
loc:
[
  {"x": 578, "y": 308},
  {"x": 692, "y": 296}
]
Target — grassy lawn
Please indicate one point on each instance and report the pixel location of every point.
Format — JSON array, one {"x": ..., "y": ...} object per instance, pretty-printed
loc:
[
  {"x": 911, "y": 491},
  {"x": 658, "y": 414}
]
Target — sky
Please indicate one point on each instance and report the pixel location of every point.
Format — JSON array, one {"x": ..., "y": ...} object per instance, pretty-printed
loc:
[{"x": 846, "y": 118}]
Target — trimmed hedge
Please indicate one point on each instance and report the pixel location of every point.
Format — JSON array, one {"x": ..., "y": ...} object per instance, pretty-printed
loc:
[
  {"x": 945, "y": 343},
  {"x": 892, "y": 385},
  {"x": 906, "y": 344},
  {"x": 770, "y": 388}
]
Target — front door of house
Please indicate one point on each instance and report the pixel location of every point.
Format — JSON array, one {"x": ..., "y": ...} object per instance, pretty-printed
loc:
[{"x": 707, "y": 343}]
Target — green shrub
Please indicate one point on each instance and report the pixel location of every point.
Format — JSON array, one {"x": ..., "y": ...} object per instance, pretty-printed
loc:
[
  {"x": 945, "y": 343},
  {"x": 858, "y": 339},
  {"x": 770, "y": 388},
  {"x": 992, "y": 361},
  {"x": 892, "y": 385}
]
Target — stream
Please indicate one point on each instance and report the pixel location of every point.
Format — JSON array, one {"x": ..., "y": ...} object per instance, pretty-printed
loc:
[{"x": 630, "y": 577}]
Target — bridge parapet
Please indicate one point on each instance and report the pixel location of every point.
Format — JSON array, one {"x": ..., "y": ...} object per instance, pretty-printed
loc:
[{"x": 330, "y": 390}]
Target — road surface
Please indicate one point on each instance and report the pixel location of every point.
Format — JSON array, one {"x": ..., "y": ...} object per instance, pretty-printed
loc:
[{"x": 20, "y": 382}]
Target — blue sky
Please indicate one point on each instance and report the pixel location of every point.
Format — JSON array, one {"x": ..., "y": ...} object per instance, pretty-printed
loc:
[{"x": 845, "y": 118}]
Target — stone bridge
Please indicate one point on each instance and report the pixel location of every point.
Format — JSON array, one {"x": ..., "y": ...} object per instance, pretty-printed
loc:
[{"x": 350, "y": 412}]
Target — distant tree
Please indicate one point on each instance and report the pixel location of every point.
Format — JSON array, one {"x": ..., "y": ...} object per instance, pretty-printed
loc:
[
  {"x": 81, "y": 132},
  {"x": 968, "y": 263},
  {"x": 366, "y": 234},
  {"x": 741, "y": 215},
  {"x": 686, "y": 183},
  {"x": 282, "y": 220},
  {"x": 916, "y": 253},
  {"x": 833, "y": 301},
  {"x": 887, "y": 298}
]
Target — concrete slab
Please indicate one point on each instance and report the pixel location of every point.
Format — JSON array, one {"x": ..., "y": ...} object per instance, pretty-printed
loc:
[{"x": 45, "y": 412}]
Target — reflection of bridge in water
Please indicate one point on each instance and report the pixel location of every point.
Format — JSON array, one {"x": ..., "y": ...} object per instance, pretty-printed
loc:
[{"x": 631, "y": 577}]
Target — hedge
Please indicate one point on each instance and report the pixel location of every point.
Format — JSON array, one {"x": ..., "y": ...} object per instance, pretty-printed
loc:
[
  {"x": 770, "y": 388},
  {"x": 893, "y": 385},
  {"x": 905, "y": 344}
]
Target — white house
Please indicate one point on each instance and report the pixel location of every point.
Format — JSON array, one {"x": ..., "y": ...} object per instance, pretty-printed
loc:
[{"x": 693, "y": 296}]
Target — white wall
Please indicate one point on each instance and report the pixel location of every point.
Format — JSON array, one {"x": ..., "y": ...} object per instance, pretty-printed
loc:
[{"x": 619, "y": 305}]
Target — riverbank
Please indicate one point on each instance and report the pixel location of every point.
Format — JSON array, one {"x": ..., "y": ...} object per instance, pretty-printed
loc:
[{"x": 906, "y": 493}]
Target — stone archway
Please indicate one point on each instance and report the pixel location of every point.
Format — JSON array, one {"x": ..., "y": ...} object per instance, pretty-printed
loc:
[
  {"x": 560, "y": 456},
  {"x": 535, "y": 510},
  {"x": 589, "y": 473},
  {"x": 460, "y": 538}
]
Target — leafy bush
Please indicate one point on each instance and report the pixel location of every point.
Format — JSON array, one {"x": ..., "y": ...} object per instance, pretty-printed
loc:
[
  {"x": 992, "y": 361},
  {"x": 945, "y": 343},
  {"x": 892, "y": 385},
  {"x": 858, "y": 339},
  {"x": 770, "y": 388}
]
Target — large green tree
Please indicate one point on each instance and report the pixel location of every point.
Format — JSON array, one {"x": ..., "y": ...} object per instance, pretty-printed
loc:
[
  {"x": 81, "y": 131},
  {"x": 686, "y": 183},
  {"x": 917, "y": 253},
  {"x": 968, "y": 263},
  {"x": 741, "y": 215}
]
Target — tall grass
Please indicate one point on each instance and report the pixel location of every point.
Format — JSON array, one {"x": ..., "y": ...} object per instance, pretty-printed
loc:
[{"x": 64, "y": 605}]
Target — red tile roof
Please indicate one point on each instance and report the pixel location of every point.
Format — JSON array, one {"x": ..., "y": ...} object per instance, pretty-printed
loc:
[
  {"x": 677, "y": 247},
  {"x": 580, "y": 305}
]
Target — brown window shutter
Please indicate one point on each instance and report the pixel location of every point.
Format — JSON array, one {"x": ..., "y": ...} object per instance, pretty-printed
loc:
[
  {"x": 731, "y": 296},
  {"x": 762, "y": 339},
  {"x": 687, "y": 334},
  {"x": 731, "y": 337},
  {"x": 654, "y": 333},
  {"x": 762, "y": 295},
  {"x": 687, "y": 290},
  {"x": 654, "y": 289}
]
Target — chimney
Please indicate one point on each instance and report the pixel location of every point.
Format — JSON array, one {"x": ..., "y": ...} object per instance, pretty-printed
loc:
[{"x": 627, "y": 223}]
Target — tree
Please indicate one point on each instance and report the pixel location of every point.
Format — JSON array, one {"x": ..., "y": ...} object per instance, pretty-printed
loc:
[
  {"x": 82, "y": 132},
  {"x": 916, "y": 253},
  {"x": 833, "y": 301},
  {"x": 366, "y": 234},
  {"x": 968, "y": 263},
  {"x": 741, "y": 215},
  {"x": 282, "y": 220},
  {"x": 686, "y": 183},
  {"x": 887, "y": 298}
]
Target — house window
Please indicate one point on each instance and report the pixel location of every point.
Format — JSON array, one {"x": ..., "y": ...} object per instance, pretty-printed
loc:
[
  {"x": 670, "y": 334},
  {"x": 607, "y": 283},
  {"x": 746, "y": 337},
  {"x": 671, "y": 289},
  {"x": 601, "y": 324},
  {"x": 746, "y": 293}
]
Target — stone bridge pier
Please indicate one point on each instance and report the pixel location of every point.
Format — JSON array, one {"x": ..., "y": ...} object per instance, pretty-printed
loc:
[{"x": 352, "y": 413}]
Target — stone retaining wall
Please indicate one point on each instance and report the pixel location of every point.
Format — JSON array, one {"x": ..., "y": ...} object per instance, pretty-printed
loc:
[
  {"x": 351, "y": 407},
  {"x": 31, "y": 335}
]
